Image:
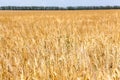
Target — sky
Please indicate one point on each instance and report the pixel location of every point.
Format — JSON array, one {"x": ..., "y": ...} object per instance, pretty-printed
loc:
[{"x": 62, "y": 3}]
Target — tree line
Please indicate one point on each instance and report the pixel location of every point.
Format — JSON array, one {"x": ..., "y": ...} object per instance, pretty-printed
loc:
[{"x": 57, "y": 8}]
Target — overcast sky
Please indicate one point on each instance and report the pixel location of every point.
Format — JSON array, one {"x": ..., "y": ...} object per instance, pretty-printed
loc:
[{"x": 59, "y": 2}]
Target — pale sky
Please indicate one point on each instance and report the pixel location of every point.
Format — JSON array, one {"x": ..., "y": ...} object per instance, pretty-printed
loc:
[{"x": 63, "y": 3}]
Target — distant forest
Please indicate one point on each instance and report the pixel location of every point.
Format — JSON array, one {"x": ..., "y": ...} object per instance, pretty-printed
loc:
[{"x": 57, "y": 8}]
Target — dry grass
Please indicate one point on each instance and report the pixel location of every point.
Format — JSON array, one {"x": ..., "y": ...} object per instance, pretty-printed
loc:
[{"x": 63, "y": 45}]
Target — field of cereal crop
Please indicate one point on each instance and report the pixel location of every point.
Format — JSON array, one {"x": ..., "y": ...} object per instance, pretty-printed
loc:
[{"x": 60, "y": 45}]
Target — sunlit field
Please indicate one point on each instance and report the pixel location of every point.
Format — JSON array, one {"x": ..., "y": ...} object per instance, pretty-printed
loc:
[{"x": 60, "y": 45}]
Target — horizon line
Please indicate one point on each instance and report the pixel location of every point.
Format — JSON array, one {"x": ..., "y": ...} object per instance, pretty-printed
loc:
[{"x": 61, "y": 6}]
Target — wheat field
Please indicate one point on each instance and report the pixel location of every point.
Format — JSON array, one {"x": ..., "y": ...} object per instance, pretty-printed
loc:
[{"x": 60, "y": 45}]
